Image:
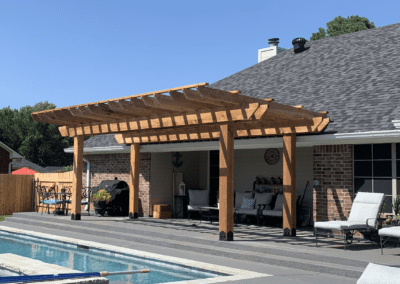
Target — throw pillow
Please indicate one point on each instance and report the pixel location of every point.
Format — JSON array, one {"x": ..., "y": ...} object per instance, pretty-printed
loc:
[{"x": 247, "y": 203}]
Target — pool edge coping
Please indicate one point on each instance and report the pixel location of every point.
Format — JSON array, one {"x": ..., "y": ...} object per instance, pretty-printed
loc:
[{"x": 233, "y": 273}]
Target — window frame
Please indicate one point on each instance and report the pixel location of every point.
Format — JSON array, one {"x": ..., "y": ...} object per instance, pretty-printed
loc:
[{"x": 393, "y": 177}]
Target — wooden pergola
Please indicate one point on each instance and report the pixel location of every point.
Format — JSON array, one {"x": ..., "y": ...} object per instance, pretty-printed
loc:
[{"x": 189, "y": 113}]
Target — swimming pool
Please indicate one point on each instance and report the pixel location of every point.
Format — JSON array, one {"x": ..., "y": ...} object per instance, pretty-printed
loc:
[{"x": 92, "y": 260}]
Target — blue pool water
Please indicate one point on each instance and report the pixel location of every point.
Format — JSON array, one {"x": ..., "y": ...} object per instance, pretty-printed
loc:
[{"x": 68, "y": 255}]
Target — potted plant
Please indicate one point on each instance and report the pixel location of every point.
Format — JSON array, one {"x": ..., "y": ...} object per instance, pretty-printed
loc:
[{"x": 100, "y": 200}]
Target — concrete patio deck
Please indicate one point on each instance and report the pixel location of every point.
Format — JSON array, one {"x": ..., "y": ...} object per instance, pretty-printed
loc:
[{"x": 259, "y": 249}]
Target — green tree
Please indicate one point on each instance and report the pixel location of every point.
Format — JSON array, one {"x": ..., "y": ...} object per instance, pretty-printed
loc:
[{"x": 341, "y": 25}]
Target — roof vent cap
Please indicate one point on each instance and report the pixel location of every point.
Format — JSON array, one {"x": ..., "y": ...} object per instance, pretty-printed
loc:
[
  {"x": 298, "y": 44},
  {"x": 273, "y": 41}
]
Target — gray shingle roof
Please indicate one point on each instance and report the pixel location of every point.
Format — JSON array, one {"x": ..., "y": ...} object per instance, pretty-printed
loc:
[
  {"x": 24, "y": 163},
  {"x": 106, "y": 140},
  {"x": 355, "y": 77}
]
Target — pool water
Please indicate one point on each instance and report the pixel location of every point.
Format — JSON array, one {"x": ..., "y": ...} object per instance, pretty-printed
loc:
[{"x": 68, "y": 255}]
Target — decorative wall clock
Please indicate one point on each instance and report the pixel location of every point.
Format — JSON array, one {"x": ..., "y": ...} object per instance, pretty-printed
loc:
[{"x": 271, "y": 156}]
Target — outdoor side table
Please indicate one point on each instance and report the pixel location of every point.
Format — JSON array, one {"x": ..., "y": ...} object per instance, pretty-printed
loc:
[{"x": 63, "y": 195}]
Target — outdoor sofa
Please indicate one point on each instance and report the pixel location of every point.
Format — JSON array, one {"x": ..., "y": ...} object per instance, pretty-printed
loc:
[
  {"x": 258, "y": 204},
  {"x": 363, "y": 217}
]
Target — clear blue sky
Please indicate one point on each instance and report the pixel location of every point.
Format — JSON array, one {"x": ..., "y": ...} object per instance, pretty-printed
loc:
[{"x": 75, "y": 52}]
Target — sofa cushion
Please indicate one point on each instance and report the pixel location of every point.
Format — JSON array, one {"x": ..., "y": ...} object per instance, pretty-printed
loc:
[
  {"x": 246, "y": 211},
  {"x": 198, "y": 197},
  {"x": 277, "y": 213},
  {"x": 279, "y": 202},
  {"x": 262, "y": 198},
  {"x": 267, "y": 207},
  {"x": 239, "y": 196},
  {"x": 247, "y": 203}
]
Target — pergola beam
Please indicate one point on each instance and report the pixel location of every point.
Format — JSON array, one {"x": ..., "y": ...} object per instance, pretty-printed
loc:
[
  {"x": 168, "y": 103},
  {"x": 137, "y": 107},
  {"x": 202, "y": 132},
  {"x": 219, "y": 115},
  {"x": 180, "y": 98}
]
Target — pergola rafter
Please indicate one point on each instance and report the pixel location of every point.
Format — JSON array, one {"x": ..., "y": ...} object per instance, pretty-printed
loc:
[{"x": 190, "y": 113}]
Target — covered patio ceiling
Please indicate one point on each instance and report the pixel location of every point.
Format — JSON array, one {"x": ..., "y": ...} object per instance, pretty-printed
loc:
[{"x": 193, "y": 112}]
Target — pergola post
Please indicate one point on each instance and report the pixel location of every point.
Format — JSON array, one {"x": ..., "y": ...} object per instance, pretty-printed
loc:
[
  {"x": 134, "y": 182},
  {"x": 226, "y": 191},
  {"x": 77, "y": 178},
  {"x": 289, "y": 185}
]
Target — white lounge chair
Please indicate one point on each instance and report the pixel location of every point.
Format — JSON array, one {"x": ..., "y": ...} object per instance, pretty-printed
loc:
[
  {"x": 391, "y": 232},
  {"x": 375, "y": 274},
  {"x": 363, "y": 217}
]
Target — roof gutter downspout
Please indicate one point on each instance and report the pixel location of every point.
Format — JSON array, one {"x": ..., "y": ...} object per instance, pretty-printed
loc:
[
  {"x": 87, "y": 180},
  {"x": 9, "y": 167}
]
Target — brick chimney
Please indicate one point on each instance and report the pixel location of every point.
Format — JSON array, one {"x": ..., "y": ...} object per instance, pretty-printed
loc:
[{"x": 270, "y": 51}]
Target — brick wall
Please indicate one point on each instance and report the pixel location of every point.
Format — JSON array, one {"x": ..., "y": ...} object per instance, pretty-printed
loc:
[
  {"x": 333, "y": 167},
  {"x": 4, "y": 161},
  {"x": 109, "y": 166}
]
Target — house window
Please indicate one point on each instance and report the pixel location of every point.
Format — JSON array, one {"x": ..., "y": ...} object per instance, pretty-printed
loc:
[{"x": 373, "y": 170}]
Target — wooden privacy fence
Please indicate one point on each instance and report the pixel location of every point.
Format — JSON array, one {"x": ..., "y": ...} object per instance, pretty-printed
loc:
[
  {"x": 57, "y": 180},
  {"x": 16, "y": 192}
]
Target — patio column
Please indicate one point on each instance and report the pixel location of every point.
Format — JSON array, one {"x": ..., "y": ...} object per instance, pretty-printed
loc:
[
  {"x": 226, "y": 182},
  {"x": 289, "y": 185},
  {"x": 77, "y": 178},
  {"x": 134, "y": 182}
]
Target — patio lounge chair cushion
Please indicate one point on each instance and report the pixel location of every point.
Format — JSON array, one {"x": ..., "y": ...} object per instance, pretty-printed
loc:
[
  {"x": 198, "y": 197},
  {"x": 366, "y": 205},
  {"x": 339, "y": 225},
  {"x": 390, "y": 232},
  {"x": 247, "y": 203},
  {"x": 239, "y": 196},
  {"x": 262, "y": 198},
  {"x": 375, "y": 273},
  {"x": 246, "y": 211},
  {"x": 276, "y": 213}
]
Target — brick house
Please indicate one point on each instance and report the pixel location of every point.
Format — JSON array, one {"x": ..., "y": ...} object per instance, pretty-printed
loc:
[{"x": 355, "y": 77}]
